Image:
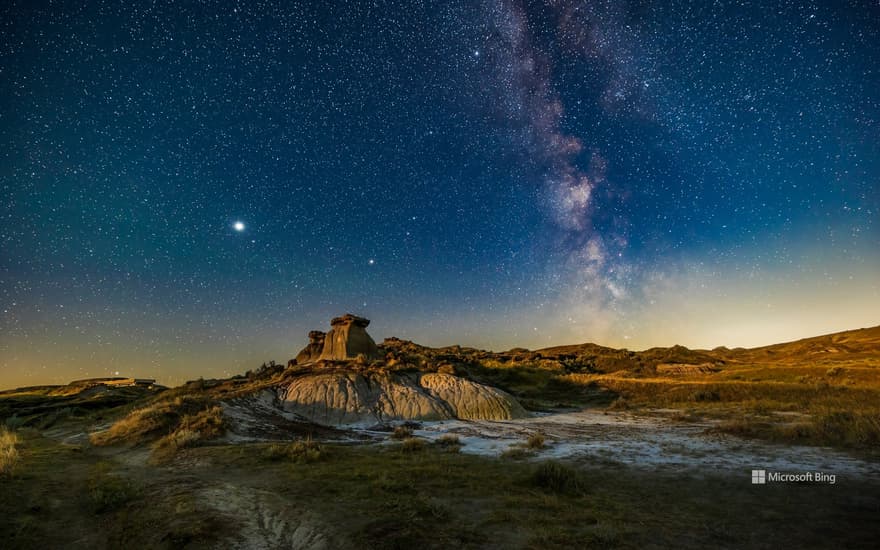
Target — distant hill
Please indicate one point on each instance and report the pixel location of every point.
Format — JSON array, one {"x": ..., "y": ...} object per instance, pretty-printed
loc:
[{"x": 864, "y": 341}]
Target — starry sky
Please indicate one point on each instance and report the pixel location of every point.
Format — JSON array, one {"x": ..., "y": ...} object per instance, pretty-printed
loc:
[{"x": 189, "y": 187}]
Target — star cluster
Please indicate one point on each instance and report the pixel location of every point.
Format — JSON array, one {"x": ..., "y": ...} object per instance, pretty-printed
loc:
[{"x": 188, "y": 188}]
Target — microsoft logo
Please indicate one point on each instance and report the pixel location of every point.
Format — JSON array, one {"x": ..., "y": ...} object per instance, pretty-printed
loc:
[{"x": 759, "y": 477}]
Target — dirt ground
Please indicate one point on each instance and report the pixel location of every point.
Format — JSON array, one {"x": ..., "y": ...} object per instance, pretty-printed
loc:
[{"x": 651, "y": 482}]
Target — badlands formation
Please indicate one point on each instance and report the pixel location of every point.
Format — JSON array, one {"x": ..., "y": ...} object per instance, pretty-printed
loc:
[{"x": 347, "y": 379}]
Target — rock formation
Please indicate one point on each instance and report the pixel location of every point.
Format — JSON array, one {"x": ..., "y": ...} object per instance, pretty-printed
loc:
[
  {"x": 314, "y": 348},
  {"x": 338, "y": 398},
  {"x": 336, "y": 394},
  {"x": 346, "y": 340}
]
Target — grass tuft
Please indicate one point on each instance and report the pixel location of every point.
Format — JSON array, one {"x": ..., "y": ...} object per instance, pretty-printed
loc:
[
  {"x": 9, "y": 455},
  {"x": 402, "y": 432},
  {"x": 558, "y": 478},
  {"x": 305, "y": 450},
  {"x": 536, "y": 441},
  {"x": 449, "y": 442},
  {"x": 412, "y": 445},
  {"x": 108, "y": 491},
  {"x": 191, "y": 431}
]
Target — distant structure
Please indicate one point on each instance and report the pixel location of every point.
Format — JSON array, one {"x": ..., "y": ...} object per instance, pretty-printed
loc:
[
  {"x": 118, "y": 382},
  {"x": 346, "y": 340}
]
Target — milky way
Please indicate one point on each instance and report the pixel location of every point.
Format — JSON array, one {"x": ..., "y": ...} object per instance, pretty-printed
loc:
[{"x": 496, "y": 173}]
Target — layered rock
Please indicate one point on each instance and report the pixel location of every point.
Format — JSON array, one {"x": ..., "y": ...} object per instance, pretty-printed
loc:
[
  {"x": 348, "y": 339},
  {"x": 312, "y": 351},
  {"x": 336, "y": 398}
]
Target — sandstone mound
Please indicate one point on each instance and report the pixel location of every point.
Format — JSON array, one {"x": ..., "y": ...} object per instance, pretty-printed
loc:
[{"x": 335, "y": 398}]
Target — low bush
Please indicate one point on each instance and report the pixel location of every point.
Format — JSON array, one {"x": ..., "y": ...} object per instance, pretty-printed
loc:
[
  {"x": 558, "y": 478},
  {"x": 108, "y": 491},
  {"x": 305, "y": 450}
]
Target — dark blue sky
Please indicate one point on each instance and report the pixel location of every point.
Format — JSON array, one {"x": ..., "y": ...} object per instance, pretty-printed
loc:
[{"x": 491, "y": 173}]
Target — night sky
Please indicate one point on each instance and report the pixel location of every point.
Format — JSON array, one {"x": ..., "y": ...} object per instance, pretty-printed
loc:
[{"x": 189, "y": 187}]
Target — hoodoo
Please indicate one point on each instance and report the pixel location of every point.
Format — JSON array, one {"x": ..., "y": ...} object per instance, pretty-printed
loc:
[
  {"x": 342, "y": 390},
  {"x": 346, "y": 340}
]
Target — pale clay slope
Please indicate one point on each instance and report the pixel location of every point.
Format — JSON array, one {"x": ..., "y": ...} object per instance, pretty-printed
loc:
[{"x": 338, "y": 398}]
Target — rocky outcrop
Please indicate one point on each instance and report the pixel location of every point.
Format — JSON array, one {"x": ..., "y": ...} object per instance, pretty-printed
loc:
[
  {"x": 312, "y": 352},
  {"x": 348, "y": 339},
  {"x": 336, "y": 398}
]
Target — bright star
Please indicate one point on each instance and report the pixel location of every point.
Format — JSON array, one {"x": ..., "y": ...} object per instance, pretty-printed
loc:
[
  {"x": 238, "y": 226},
  {"x": 371, "y": 261}
]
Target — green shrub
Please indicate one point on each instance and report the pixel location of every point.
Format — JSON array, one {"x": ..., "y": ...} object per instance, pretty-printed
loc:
[
  {"x": 108, "y": 491},
  {"x": 14, "y": 422},
  {"x": 558, "y": 478}
]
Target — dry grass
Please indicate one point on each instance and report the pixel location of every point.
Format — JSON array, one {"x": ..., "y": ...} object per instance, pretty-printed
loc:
[
  {"x": 154, "y": 420},
  {"x": 412, "y": 445},
  {"x": 305, "y": 450},
  {"x": 402, "y": 432},
  {"x": 449, "y": 441},
  {"x": 833, "y": 410},
  {"x": 191, "y": 431},
  {"x": 9, "y": 455},
  {"x": 536, "y": 441}
]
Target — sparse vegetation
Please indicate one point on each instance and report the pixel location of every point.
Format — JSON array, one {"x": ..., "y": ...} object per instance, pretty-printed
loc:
[
  {"x": 402, "y": 432},
  {"x": 449, "y": 442},
  {"x": 557, "y": 477},
  {"x": 858, "y": 429},
  {"x": 535, "y": 441},
  {"x": 9, "y": 455},
  {"x": 305, "y": 450},
  {"x": 14, "y": 422},
  {"x": 516, "y": 452},
  {"x": 107, "y": 490},
  {"x": 412, "y": 445},
  {"x": 157, "y": 419},
  {"x": 378, "y": 497},
  {"x": 415, "y": 494},
  {"x": 192, "y": 430}
]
